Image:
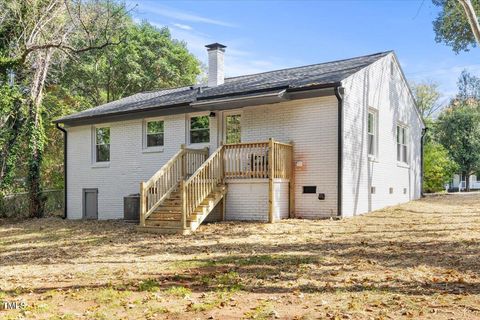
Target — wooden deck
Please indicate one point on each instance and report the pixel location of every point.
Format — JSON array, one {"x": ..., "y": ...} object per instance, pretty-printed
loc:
[{"x": 178, "y": 197}]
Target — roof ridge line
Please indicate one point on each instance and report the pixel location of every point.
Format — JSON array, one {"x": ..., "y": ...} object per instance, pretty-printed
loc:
[
  {"x": 165, "y": 89},
  {"x": 313, "y": 64}
]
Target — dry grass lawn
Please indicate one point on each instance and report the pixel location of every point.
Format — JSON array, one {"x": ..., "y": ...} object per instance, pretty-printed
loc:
[{"x": 418, "y": 260}]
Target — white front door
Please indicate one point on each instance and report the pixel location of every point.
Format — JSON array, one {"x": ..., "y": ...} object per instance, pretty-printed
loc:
[{"x": 232, "y": 129}]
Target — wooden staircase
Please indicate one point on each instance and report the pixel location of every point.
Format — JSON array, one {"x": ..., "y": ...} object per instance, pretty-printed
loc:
[
  {"x": 179, "y": 196},
  {"x": 167, "y": 218}
]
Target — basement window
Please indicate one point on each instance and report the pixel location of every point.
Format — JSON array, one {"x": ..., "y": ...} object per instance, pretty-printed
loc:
[{"x": 200, "y": 129}]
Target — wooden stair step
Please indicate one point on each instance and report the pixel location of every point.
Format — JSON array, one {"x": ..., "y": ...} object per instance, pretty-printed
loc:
[
  {"x": 169, "y": 223},
  {"x": 160, "y": 218},
  {"x": 172, "y": 203},
  {"x": 159, "y": 230},
  {"x": 164, "y": 223},
  {"x": 166, "y": 214},
  {"x": 168, "y": 208}
]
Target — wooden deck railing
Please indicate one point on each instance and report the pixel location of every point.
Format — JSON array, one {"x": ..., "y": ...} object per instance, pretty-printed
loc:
[
  {"x": 246, "y": 160},
  {"x": 164, "y": 181},
  {"x": 282, "y": 160},
  {"x": 198, "y": 176},
  {"x": 207, "y": 177}
]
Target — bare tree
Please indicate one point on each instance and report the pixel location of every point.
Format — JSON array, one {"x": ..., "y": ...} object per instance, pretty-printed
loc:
[{"x": 427, "y": 96}]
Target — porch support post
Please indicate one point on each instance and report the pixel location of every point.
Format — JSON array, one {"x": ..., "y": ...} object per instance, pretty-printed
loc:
[
  {"x": 271, "y": 166},
  {"x": 222, "y": 217},
  {"x": 183, "y": 217},
  {"x": 184, "y": 161},
  {"x": 291, "y": 185},
  {"x": 143, "y": 204}
]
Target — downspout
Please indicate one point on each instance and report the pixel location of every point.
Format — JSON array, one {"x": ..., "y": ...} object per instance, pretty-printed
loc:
[
  {"x": 65, "y": 140},
  {"x": 422, "y": 142},
  {"x": 339, "y": 93}
]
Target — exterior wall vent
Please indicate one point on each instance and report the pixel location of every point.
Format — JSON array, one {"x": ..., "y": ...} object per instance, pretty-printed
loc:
[{"x": 309, "y": 189}]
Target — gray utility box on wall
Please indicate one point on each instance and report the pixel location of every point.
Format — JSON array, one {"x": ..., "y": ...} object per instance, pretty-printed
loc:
[{"x": 131, "y": 207}]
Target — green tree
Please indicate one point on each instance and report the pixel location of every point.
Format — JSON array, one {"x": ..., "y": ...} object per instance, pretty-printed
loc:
[
  {"x": 427, "y": 97},
  {"x": 452, "y": 26},
  {"x": 439, "y": 168},
  {"x": 468, "y": 86},
  {"x": 12, "y": 117},
  {"x": 34, "y": 35},
  {"x": 458, "y": 130},
  {"x": 57, "y": 102},
  {"x": 148, "y": 59}
]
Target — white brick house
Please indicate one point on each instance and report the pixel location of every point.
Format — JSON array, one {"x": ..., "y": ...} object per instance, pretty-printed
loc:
[{"x": 353, "y": 124}]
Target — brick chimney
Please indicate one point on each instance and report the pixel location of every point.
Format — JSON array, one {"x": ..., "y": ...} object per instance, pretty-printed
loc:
[{"x": 216, "y": 74}]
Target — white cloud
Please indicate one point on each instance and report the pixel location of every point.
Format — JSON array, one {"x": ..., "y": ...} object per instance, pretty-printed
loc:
[
  {"x": 238, "y": 61},
  {"x": 181, "y": 15},
  {"x": 446, "y": 78},
  {"x": 183, "y": 26}
]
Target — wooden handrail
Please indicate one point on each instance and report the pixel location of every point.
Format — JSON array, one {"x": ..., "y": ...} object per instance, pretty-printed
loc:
[
  {"x": 165, "y": 167},
  {"x": 198, "y": 176},
  {"x": 205, "y": 179},
  {"x": 158, "y": 188}
]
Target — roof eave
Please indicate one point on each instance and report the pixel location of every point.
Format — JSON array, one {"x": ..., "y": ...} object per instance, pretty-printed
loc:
[{"x": 214, "y": 103}]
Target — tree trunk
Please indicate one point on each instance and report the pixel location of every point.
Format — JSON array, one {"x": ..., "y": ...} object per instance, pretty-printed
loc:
[
  {"x": 8, "y": 156},
  {"x": 467, "y": 182},
  {"x": 471, "y": 18},
  {"x": 35, "y": 134}
]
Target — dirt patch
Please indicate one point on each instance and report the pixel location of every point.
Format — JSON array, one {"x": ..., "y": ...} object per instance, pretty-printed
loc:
[{"x": 418, "y": 260}]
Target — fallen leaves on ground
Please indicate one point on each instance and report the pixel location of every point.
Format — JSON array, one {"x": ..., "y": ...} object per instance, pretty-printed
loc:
[{"x": 417, "y": 260}]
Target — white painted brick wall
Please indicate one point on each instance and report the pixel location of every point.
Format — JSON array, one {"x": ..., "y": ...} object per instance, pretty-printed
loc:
[
  {"x": 129, "y": 164},
  {"x": 281, "y": 199},
  {"x": 247, "y": 200},
  {"x": 312, "y": 126},
  {"x": 374, "y": 87}
]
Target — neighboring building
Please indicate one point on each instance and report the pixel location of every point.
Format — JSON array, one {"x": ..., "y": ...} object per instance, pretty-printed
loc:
[
  {"x": 458, "y": 184},
  {"x": 346, "y": 140}
]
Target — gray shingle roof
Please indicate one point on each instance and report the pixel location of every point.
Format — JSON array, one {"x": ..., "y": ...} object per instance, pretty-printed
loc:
[{"x": 327, "y": 73}]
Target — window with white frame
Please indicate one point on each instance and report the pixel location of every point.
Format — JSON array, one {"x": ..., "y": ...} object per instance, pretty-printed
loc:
[
  {"x": 233, "y": 130},
  {"x": 154, "y": 133},
  {"x": 402, "y": 144},
  {"x": 102, "y": 144},
  {"x": 372, "y": 133},
  {"x": 200, "y": 129}
]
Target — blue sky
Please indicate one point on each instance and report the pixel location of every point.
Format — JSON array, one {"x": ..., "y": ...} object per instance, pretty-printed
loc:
[{"x": 268, "y": 35}]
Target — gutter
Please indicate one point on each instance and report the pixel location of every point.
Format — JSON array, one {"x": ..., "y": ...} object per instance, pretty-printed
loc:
[
  {"x": 236, "y": 102},
  {"x": 422, "y": 143},
  {"x": 253, "y": 97},
  {"x": 339, "y": 93},
  {"x": 65, "y": 140}
]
